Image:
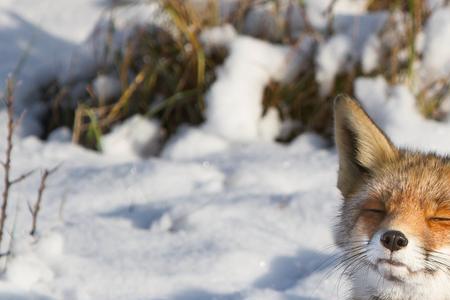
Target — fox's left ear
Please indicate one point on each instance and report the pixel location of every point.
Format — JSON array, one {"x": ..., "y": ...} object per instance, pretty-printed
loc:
[{"x": 361, "y": 145}]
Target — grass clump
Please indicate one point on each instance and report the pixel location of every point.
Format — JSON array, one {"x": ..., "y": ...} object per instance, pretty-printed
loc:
[
  {"x": 162, "y": 75},
  {"x": 164, "y": 71}
]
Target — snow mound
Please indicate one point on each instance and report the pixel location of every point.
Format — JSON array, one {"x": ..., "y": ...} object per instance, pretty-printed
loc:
[
  {"x": 61, "y": 135},
  {"x": 25, "y": 271},
  {"x": 191, "y": 143},
  {"x": 137, "y": 137},
  {"x": 234, "y": 101},
  {"x": 437, "y": 52},
  {"x": 31, "y": 264}
]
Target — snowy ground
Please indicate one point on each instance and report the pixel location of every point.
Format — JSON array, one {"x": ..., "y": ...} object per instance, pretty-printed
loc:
[
  {"x": 252, "y": 222},
  {"x": 239, "y": 220}
]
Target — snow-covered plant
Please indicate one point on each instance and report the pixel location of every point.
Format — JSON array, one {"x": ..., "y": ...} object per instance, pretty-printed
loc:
[{"x": 165, "y": 68}]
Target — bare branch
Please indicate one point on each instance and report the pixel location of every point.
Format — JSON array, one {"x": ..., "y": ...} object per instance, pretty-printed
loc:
[
  {"x": 21, "y": 177},
  {"x": 37, "y": 206},
  {"x": 9, "y": 100},
  {"x": 30, "y": 208},
  {"x": 19, "y": 120},
  {"x": 6, "y": 162},
  {"x": 54, "y": 169}
]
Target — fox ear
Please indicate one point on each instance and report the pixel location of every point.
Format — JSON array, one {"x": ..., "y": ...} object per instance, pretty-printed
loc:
[{"x": 361, "y": 145}]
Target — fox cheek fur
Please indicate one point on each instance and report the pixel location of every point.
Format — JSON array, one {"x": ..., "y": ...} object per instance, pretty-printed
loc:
[{"x": 394, "y": 226}]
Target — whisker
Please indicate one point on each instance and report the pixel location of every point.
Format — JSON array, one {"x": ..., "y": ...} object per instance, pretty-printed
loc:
[{"x": 436, "y": 260}]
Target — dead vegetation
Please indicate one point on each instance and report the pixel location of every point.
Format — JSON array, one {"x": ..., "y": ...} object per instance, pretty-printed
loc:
[
  {"x": 8, "y": 181},
  {"x": 7, "y": 164},
  {"x": 165, "y": 76},
  {"x": 37, "y": 205}
]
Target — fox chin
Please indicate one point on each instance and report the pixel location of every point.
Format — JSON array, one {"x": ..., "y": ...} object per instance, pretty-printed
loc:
[{"x": 394, "y": 222}]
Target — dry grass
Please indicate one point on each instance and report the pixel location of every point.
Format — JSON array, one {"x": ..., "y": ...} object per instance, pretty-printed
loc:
[
  {"x": 171, "y": 78},
  {"x": 173, "y": 72}
]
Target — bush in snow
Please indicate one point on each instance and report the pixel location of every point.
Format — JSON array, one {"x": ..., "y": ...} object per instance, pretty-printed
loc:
[{"x": 191, "y": 63}]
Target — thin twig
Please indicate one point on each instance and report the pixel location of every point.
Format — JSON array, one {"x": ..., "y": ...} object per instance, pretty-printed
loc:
[
  {"x": 11, "y": 245},
  {"x": 330, "y": 17},
  {"x": 6, "y": 163},
  {"x": 21, "y": 177},
  {"x": 37, "y": 205}
]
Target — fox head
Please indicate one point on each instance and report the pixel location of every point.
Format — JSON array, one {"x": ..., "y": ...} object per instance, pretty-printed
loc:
[{"x": 394, "y": 225}]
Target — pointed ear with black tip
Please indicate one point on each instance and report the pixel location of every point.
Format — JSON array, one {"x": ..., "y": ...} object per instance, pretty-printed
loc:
[{"x": 362, "y": 146}]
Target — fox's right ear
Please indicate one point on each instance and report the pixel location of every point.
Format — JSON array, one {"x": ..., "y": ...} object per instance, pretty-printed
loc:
[{"x": 361, "y": 145}]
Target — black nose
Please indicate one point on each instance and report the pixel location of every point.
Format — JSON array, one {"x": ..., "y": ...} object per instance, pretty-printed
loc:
[{"x": 394, "y": 240}]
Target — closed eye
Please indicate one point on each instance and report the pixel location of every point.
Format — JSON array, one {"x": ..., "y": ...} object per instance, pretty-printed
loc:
[
  {"x": 377, "y": 211},
  {"x": 440, "y": 219},
  {"x": 441, "y": 216}
]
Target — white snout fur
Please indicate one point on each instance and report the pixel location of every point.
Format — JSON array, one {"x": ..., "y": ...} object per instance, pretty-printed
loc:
[{"x": 411, "y": 281}]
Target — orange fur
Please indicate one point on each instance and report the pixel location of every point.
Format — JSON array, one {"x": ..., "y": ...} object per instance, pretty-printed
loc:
[{"x": 386, "y": 188}]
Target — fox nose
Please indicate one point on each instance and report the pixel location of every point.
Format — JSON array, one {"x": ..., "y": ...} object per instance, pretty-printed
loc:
[{"x": 394, "y": 240}]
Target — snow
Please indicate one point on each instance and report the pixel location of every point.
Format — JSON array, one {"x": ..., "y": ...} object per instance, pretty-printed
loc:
[
  {"x": 58, "y": 18},
  {"x": 228, "y": 224},
  {"x": 61, "y": 134},
  {"x": 394, "y": 108},
  {"x": 63, "y": 41},
  {"x": 223, "y": 212},
  {"x": 260, "y": 21},
  {"x": 331, "y": 59},
  {"x": 437, "y": 51},
  {"x": 370, "y": 58},
  {"x": 191, "y": 143},
  {"x": 238, "y": 91},
  {"x": 316, "y": 12},
  {"x": 220, "y": 36},
  {"x": 136, "y": 137},
  {"x": 27, "y": 271},
  {"x": 269, "y": 126},
  {"x": 433, "y": 4},
  {"x": 44, "y": 35},
  {"x": 106, "y": 87},
  {"x": 350, "y": 6},
  {"x": 355, "y": 40},
  {"x": 359, "y": 28}
]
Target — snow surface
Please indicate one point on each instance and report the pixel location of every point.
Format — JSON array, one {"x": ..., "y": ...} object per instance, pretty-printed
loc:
[
  {"x": 249, "y": 222},
  {"x": 191, "y": 143},
  {"x": 224, "y": 213}
]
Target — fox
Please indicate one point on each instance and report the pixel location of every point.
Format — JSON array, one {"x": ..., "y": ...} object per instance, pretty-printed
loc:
[{"x": 393, "y": 227}]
